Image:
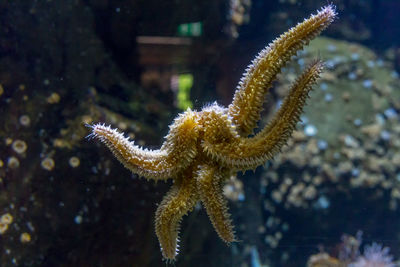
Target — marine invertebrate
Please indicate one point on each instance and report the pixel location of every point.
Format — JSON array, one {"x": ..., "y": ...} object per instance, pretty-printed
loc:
[
  {"x": 19, "y": 146},
  {"x": 25, "y": 237},
  {"x": 12, "y": 162},
  {"x": 3, "y": 228},
  {"x": 5, "y": 221},
  {"x": 203, "y": 149},
  {"x": 74, "y": 162},
  {"x": 375, "y": 256},
  {"x": 24, "y": 120},
  {"x": 47, "y": 164},
  {"x": 6, "y": 218}
]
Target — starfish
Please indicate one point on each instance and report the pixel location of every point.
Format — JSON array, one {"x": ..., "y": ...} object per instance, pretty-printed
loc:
[{"x": 204, "y": 148}]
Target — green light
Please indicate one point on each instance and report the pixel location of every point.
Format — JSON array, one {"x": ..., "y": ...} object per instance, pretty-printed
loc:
[
  {"x": 190, "y": 29},
  {"x": 185, "y": 83}
]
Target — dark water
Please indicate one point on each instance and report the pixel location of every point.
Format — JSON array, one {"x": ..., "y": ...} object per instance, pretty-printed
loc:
[{"x": 66, "y": 201}]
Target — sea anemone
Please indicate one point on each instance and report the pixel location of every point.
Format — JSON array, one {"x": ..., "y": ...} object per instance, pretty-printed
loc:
[{"x": 374, "y": 256}]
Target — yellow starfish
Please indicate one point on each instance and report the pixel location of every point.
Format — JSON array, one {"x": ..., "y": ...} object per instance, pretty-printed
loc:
[{"x": 202, "y": 149}]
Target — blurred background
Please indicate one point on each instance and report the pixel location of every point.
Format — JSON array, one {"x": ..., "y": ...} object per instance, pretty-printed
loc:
[{"x": 329, "y": 199}]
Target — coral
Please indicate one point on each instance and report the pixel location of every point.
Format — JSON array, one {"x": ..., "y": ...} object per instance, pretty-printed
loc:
[
  {"x": 345, "y": 150},
  {"x": 374, "y": 256}
]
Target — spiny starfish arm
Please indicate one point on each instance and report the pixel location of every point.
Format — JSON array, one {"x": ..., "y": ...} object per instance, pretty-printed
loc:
[
  {"x": 298, "y": 93},
  {"x": 181, "y": 199},
  {"x": 176, "y": 153},
  {"x": 249, "y": 97},
  {"x": 248, "y": 153},
  {"x": 209, "y": 184}
]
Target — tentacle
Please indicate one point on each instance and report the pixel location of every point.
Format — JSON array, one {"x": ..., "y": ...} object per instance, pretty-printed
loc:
[
  {"x": 248, "y": 153},
  {"x": 259, "y": 76},
  {"x": 178, "y": 202},
  {"x": 209, "y": 184},
  {"x": 177, "y": 152}
]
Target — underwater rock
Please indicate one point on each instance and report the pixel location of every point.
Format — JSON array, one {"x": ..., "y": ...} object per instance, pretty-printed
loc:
[
  {"x": 55, "y": 76},
  {"x": 352, "y": 156}
]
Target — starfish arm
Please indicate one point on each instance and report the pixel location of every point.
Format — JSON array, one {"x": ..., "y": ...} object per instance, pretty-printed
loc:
[
  {"x": 249, "y": 97},
  {"x": 209, "y": 184},
  {"x": 177, "y": 152},
  {"x": 248, "y": 153},
  {"x": 181, "y": 199}
]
